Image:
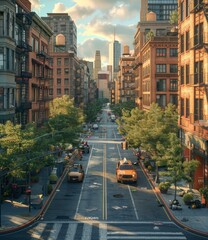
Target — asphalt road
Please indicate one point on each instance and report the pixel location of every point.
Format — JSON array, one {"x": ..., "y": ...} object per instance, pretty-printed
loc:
[{"x": 100, "y": 208}]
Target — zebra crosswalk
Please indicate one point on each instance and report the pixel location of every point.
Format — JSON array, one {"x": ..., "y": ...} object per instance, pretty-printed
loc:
[{"x": 101, "y": 231}]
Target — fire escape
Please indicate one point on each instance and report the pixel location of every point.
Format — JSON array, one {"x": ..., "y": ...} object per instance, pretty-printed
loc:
[
  {"x": 23, "y": 75},
  {"x": 43, "y": 74},
  {"x": 127, "y": 83}
]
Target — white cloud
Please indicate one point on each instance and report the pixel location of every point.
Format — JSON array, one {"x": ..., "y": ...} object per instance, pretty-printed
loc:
[{"x": 36, "y": 5}]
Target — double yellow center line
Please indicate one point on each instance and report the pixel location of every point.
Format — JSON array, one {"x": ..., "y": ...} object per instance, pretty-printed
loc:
[{"x": 104, "y": 184}]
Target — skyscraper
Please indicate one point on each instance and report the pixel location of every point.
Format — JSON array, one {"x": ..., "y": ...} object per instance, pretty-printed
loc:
[
  {"x": 162, "y": 8},
  {"x": 97, "y": 65},
  {"x": 114, "y": 55}
]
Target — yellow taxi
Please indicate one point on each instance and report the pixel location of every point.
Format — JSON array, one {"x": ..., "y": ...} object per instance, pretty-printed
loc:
[{"x": 125, "y": 171}]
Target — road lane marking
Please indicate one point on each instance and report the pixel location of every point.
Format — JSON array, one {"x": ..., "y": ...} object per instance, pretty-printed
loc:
[
  {"x": 104, "y": 185},
  {"x": 80, "y": 196},
  {"x": 132, "y": 200}
]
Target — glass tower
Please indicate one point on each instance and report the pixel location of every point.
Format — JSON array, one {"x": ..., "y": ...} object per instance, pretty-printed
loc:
[{"x": 162, "y": 8}]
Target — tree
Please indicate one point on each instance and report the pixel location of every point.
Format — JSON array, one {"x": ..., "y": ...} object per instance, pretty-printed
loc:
[
  {"x": 174, "y": 18},
  {"x": 64, "y": 122},
  {"x": 174, "y": 157},
  {"x": 189, "y": 170},
  {"x": 150, "y": 130}
]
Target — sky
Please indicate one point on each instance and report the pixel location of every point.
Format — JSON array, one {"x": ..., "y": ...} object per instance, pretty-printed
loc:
[{"x": 96, "y": 21}]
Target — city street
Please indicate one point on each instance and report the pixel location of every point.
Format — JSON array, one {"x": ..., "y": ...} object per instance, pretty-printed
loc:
[{"x": 100, "y": 208}]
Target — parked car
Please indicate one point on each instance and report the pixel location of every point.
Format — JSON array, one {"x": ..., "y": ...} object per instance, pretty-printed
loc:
[
  {"x": 125, "y": 171},
  {"x": 76, "y": 173},
  {"x": 95, "y": 126}
]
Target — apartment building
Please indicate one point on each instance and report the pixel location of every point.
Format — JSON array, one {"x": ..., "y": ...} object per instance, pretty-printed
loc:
[
  {"x": 146, "y": 29},
  {"x": 126, "y": 77},
  {"x": 40, "y": 64},
  {"x": 103, "y": 84},
  {"x": 193, "y": 84},
  {"x": 23, "y": 70},
  {"x": 7, "y": 61},
  {"x": 160, "y": 71}
]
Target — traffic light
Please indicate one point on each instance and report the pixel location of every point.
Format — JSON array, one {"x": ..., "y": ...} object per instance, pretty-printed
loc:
[{"x": 124, "y": 145}]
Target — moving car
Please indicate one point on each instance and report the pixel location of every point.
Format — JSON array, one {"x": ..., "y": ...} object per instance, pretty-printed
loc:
[
  {"x": 125, "y": 171},
  {"x": 76, "y": 173}
]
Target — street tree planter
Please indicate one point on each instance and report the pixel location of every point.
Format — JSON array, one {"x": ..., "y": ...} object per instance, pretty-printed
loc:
[{"x": 164, "y": 186}]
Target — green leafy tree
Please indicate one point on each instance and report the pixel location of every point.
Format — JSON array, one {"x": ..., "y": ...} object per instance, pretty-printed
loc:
[
  {"x": 174, "y": 18},
  {"x": 120, "y": 107},
  {"x": 189, "y": 170}
]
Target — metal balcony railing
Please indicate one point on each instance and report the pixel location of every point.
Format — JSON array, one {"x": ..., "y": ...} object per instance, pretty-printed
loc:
[{"x": 24, "y": 46}]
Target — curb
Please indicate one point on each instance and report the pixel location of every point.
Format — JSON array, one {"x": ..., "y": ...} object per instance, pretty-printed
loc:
[
  {"x": 168, "y": 210},
  {"x": 45, "y": 205}
]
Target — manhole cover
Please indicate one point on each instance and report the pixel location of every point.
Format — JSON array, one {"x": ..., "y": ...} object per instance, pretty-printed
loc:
[
  {"x": 118, "y": 195},
  {"x": 62, "y": 217}
]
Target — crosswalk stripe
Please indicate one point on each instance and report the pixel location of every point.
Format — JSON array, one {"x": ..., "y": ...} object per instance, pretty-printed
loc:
[
  {"x": 55, "y": 231},
  {"x": 148, "y": 237},
  {"x": 103, "y": 231},
  {"x": 71, "y": 231},
  {"x": 37, "y": 231},
  {"x": 144, "y": 233},
  {"x": 87, "y": 230}
]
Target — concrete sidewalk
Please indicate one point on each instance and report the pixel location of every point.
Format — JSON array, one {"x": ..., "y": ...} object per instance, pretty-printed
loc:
[{"x": 194, "y": 220}]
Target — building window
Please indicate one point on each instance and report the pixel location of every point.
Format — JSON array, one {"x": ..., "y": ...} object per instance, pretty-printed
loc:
[
  {"x": 1, "y": 98},
  {"x": 66, "y": 61},
  {"x": 63, "y": 28},
  {"x": 187, "y": 74},
  {"x": 187, "y": 41},
  {"x": 161, "y": 85},
  {"x": 182, "y": 10},
  {"x": 187, "y": 8},
  {"x": 173, "y": 85},
  {"x": 161, "y": 100},
  {"x": 173, "y": 52},
  {"x": 161, "y": 32},
  {"x": 182, "y": 74},
  {"x": 187, "y": 108},
  {"x": 7, "y": 58},
  {"x": 58, "y": 61},
  {"x": 198, "y": 72},
  {"x": 58, "y": 91},
  {"x": 1, "y": 58},
  {"x": 161, "y": 52},
  {"x": 58, "y": 81},
  {"x": 198, "y": 109},
  {"x": 1, "y": 23},
  {"x": 182, "y": 106},
  {"x": 182, "y": 43},
  {"x": 58, "y": 71},
  {"x": 174, "y": 99},
  {"x": 66, "y": 91},
  {"x": 66, "y": 81},
  {"x": 173, "y": 68},
  {"x": 66, "y": 70},
  {"x": 161, "y": 68},
  {"x": 50, "y": 91}
]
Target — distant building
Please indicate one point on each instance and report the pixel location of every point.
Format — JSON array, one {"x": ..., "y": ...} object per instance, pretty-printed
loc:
[
  {"x": 97, "y": 65},
  {"x": 62, "y": 25},
  {"x": 114, "y": 55},
  {"x": 103, "y": 84},
  {"x": 126, "y": 78},
  {"x": 162, "y": 8},
  {"x": 67, "y": 78},
  {"x": 146, "y": 29}
]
